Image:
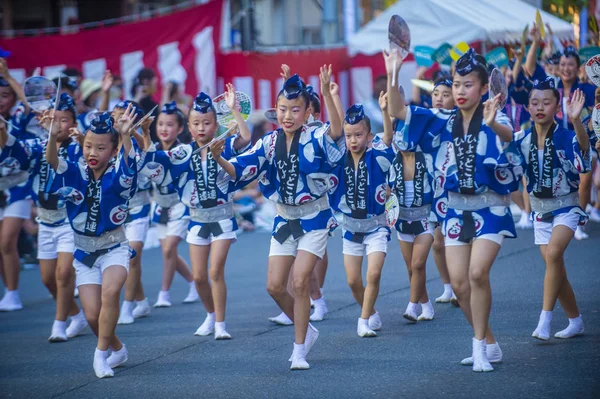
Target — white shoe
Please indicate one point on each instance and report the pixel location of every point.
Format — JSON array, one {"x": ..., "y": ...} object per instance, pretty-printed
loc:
[
  {"x": 11, "y": 302},
  {"x": 59, "y": 333},
  {"x": 76, "y": 293},
  {"x": 574, "y": 329},
  {"x": 126, "y": 314},
  {"x": 117, "y": 358},
  {"x": 281, "y": 319},
  {"x": 594, "y": 215},
  {"x": 427, "y": 312},
  {"x": 142, "y": 309},
  {"x": 580, "y": 234},
  {"x": 192, "y": 295},
  {"x": 494, "y": 355},
  {"x": 320, "y": 310},
  {"x": 375, "y": 323},
  {"x": 207, "y": 327},
  {"x": 312, "y": 334},
  {"x": 164, "y": 300},
  {"x": 101, "y": 367},
  {"x": 299, "y": 358},
  {"x": 410, "y": 313},
  {"x": 445, "y": 297},
  {"x": 480, "y": 360},
  {"x": 542, "y": 331},
  {"x": 363, "y": 330},
  {"x": 77, "y": 325},
  {"x": 221, "y": 332}
]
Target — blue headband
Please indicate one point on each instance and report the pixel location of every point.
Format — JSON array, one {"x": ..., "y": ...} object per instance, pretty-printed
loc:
[
  {"x": 470, "y": 61},
  {"x": 202, "y": 103},
  {"x": 170, "y": 108},
  {"x": 123, "y": 104},
  {"x": 571, "y": 52},
  {"x": 554, "y": 59},
  {"x": 102, "y": 124},
  {"x": 66, "y": 103},
  {"x": 311, "y": 92},
  {"x": 444, "y": 82},
  {"x": 546, "y": 84},
  {"x": 355, "y": 114},
  {"x": 293, "y": 87}
]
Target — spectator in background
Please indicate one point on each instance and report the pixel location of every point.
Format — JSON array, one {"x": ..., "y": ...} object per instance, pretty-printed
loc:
[
  {"x": 371, "y": 106},
  {"x": 144, "y": 87},
  {"x": 258, "y": 124},
  {"x": 75, "y": 74},
  {"x": 67, "y": 85}
]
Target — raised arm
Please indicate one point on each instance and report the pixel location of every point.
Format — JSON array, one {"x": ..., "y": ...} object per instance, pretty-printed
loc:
[
  {"x": 489, "y": 116},
  {"x": 574, "y": 108},
  {"x": 396, "y": 106},
  {"x": 335, "y": 93},
  {"x": 51, "y": 150},
  {"x": 531, "y": 61},
  {"x": 245, "y": 135},
  {"x": 332, "y": 111},
  {"x": 14, "y": 85},
  {"x": 124, "y": 126},
  {"x": 107, "y": 82},
  {"x": 388, "y": 129},
  {"x": 416, "y": 91}
]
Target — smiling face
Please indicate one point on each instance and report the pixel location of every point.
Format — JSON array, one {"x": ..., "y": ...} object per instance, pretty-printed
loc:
[
  {"x": 202, "y": 126},
  {"x": 291, "y": 114},
  {"x": 98, "y": 149},
  {"x": 442, "y": 97},
  {"x": 568, "y": 69},
  {"x": 543, "y": 105},
  {"x": 168, "y": 128},
  {"x": 357, "y": 137},
  {"x": 467, "y": 90}
]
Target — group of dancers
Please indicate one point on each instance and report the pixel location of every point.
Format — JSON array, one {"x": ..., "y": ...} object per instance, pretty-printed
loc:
[{"x": 441, "y": 177}]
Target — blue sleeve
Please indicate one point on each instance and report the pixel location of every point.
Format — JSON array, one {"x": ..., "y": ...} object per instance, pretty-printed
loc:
[
  {"x": 538, "y": 73},
  {"x": 125, "y": 175},
  {"x": 68, "y": 178},
  {"x": 420, "y": 128},
  {"x": 24, "y": 151},
  {"x": 230, "y": 151},
  {"x": 249, "y": 165},
  {"x": 174, "y": 161}
]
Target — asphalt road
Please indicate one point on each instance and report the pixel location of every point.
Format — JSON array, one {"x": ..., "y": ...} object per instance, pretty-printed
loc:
[{"x": 406, "y": 360}]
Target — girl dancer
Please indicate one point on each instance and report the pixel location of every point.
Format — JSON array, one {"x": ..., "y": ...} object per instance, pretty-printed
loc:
[
  {"x": 170, "y": 214},
  {"x": 102, "y": 252},
  {"x": 55, "y": 236},
  {"x": 292, "y": 165},
  {"x": 360, "y": 196},
  {"x": 212, "y": 227},
  {"x": 553, "y": 157},
  {"x": 478, "y": 216}
]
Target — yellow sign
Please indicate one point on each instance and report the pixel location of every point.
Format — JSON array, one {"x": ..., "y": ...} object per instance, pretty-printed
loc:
[
  {"x": 540, "y": 24},
  {"x": 459, "y": 50}
]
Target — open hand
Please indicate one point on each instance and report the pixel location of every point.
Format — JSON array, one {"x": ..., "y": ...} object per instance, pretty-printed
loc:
[
  {"x": 383, "y": 102},
  {"x": 126, "y": 120},
  {"x": 230, "y": 96},
  {"x": 575, "y": 105},
  {"x": 216, "y": 148},
  {"x": 286, "y": 72},
  {"x": 490, "y": 108},
  {"x": 393, "y": 61},
  {"x": 107, "y": 81},
  {"x": 325, "y": 78}
]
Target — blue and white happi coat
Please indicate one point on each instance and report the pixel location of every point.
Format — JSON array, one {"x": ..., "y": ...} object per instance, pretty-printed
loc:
[
  {"x": 94, "y": 206},
  {"x": 431, "y": 131},
  {"x": 377, "y": 161},
  {"x": 181, "y": 166},
  {"x": 317, "y": 157},
  {"x": 568, "y": 160},
  {"x": 30, "y": 154}
]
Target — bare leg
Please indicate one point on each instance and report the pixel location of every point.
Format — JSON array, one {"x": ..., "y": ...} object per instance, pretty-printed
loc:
[
  {"x": 11, "y": 228},
  {"x": 303, "y": 268},
  {"x": 65, "y": 283},
  {"x": 439, "y": 255},
  {"x": 199, "y": 257},
  {"x": 113, "y": 280},
  {"x": 48, "y": 274},
  {"x": 353, "y": 266},
  {"x": 375, "y": 264},
  {"x": 277, "y": 279},
  {"x": 133, "y": 286},
  {"x": 483, "y": 254},
  {"x": 169, "y": 250},
  {"x": 184, "y": 270},
  {"x": 218, "y": 257}
]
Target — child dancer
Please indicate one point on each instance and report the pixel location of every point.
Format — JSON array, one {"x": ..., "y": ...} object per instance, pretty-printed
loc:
[
  {"x": 553, "y": 157},
  {"x": 170, "y": 214},
  {"x": 292, "y": 165},
  {"x": 100, "y": 242},
  {"x": 212, "y": 228},
  {"x": 478, "y": 216},
  {"x": 55, "y": 236},
  {"x": 360, "y": 195}
]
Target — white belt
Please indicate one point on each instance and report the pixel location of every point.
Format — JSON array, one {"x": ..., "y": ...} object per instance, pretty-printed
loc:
[
  {"x": 105, "y": 241},
  {"x": 364, "y": 225},
  {"x": 51, "y": 216},
  {"x": 212, "y": 215},
  {"x": 13, "y": 180},
  {"x": 545, "y": 205},
  {"x": 293, "y": 212},
  {"x": 414, "y": 214},
  {"x": 140, "y": 199},
  {"x": 467, "y": 202},
  {"x": 166, "y": 200}
]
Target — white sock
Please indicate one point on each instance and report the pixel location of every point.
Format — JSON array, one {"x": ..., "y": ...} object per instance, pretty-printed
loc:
[
  {"x": 211, "y": 316},
  {"x": 320, "y": 302},
  {"x": 220, "y": 326},
  {"x": 447, "y": 289},
  {"x": 60, "y": 324},
  {"x": 412, "y": 307},
  {"x": 79, "y": 316},
  {"x": 127, "y": 306},
  {"x": 100, "y": 353}
]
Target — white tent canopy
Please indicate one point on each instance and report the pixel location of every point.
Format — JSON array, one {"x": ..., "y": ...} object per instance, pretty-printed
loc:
[{"x": 433, "y": 22}]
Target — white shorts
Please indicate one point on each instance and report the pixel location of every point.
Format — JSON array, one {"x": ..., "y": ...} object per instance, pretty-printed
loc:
[
  {"x": 454, "y": 242},
  {"x": 137, "y": 230},
  {"x": 411, "y": 237},
  {"x": 314, "y": 242},
  {"x": 374, "y": 242},
  {"x": 93, "y": 275},
  {"x": 52, "y": 240},
  {"x": 543, "y": 230},
  {"x": 195, "y": 239},
  {"x": 175, "y": 228},
  {"x": 19, "y": 209}
]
